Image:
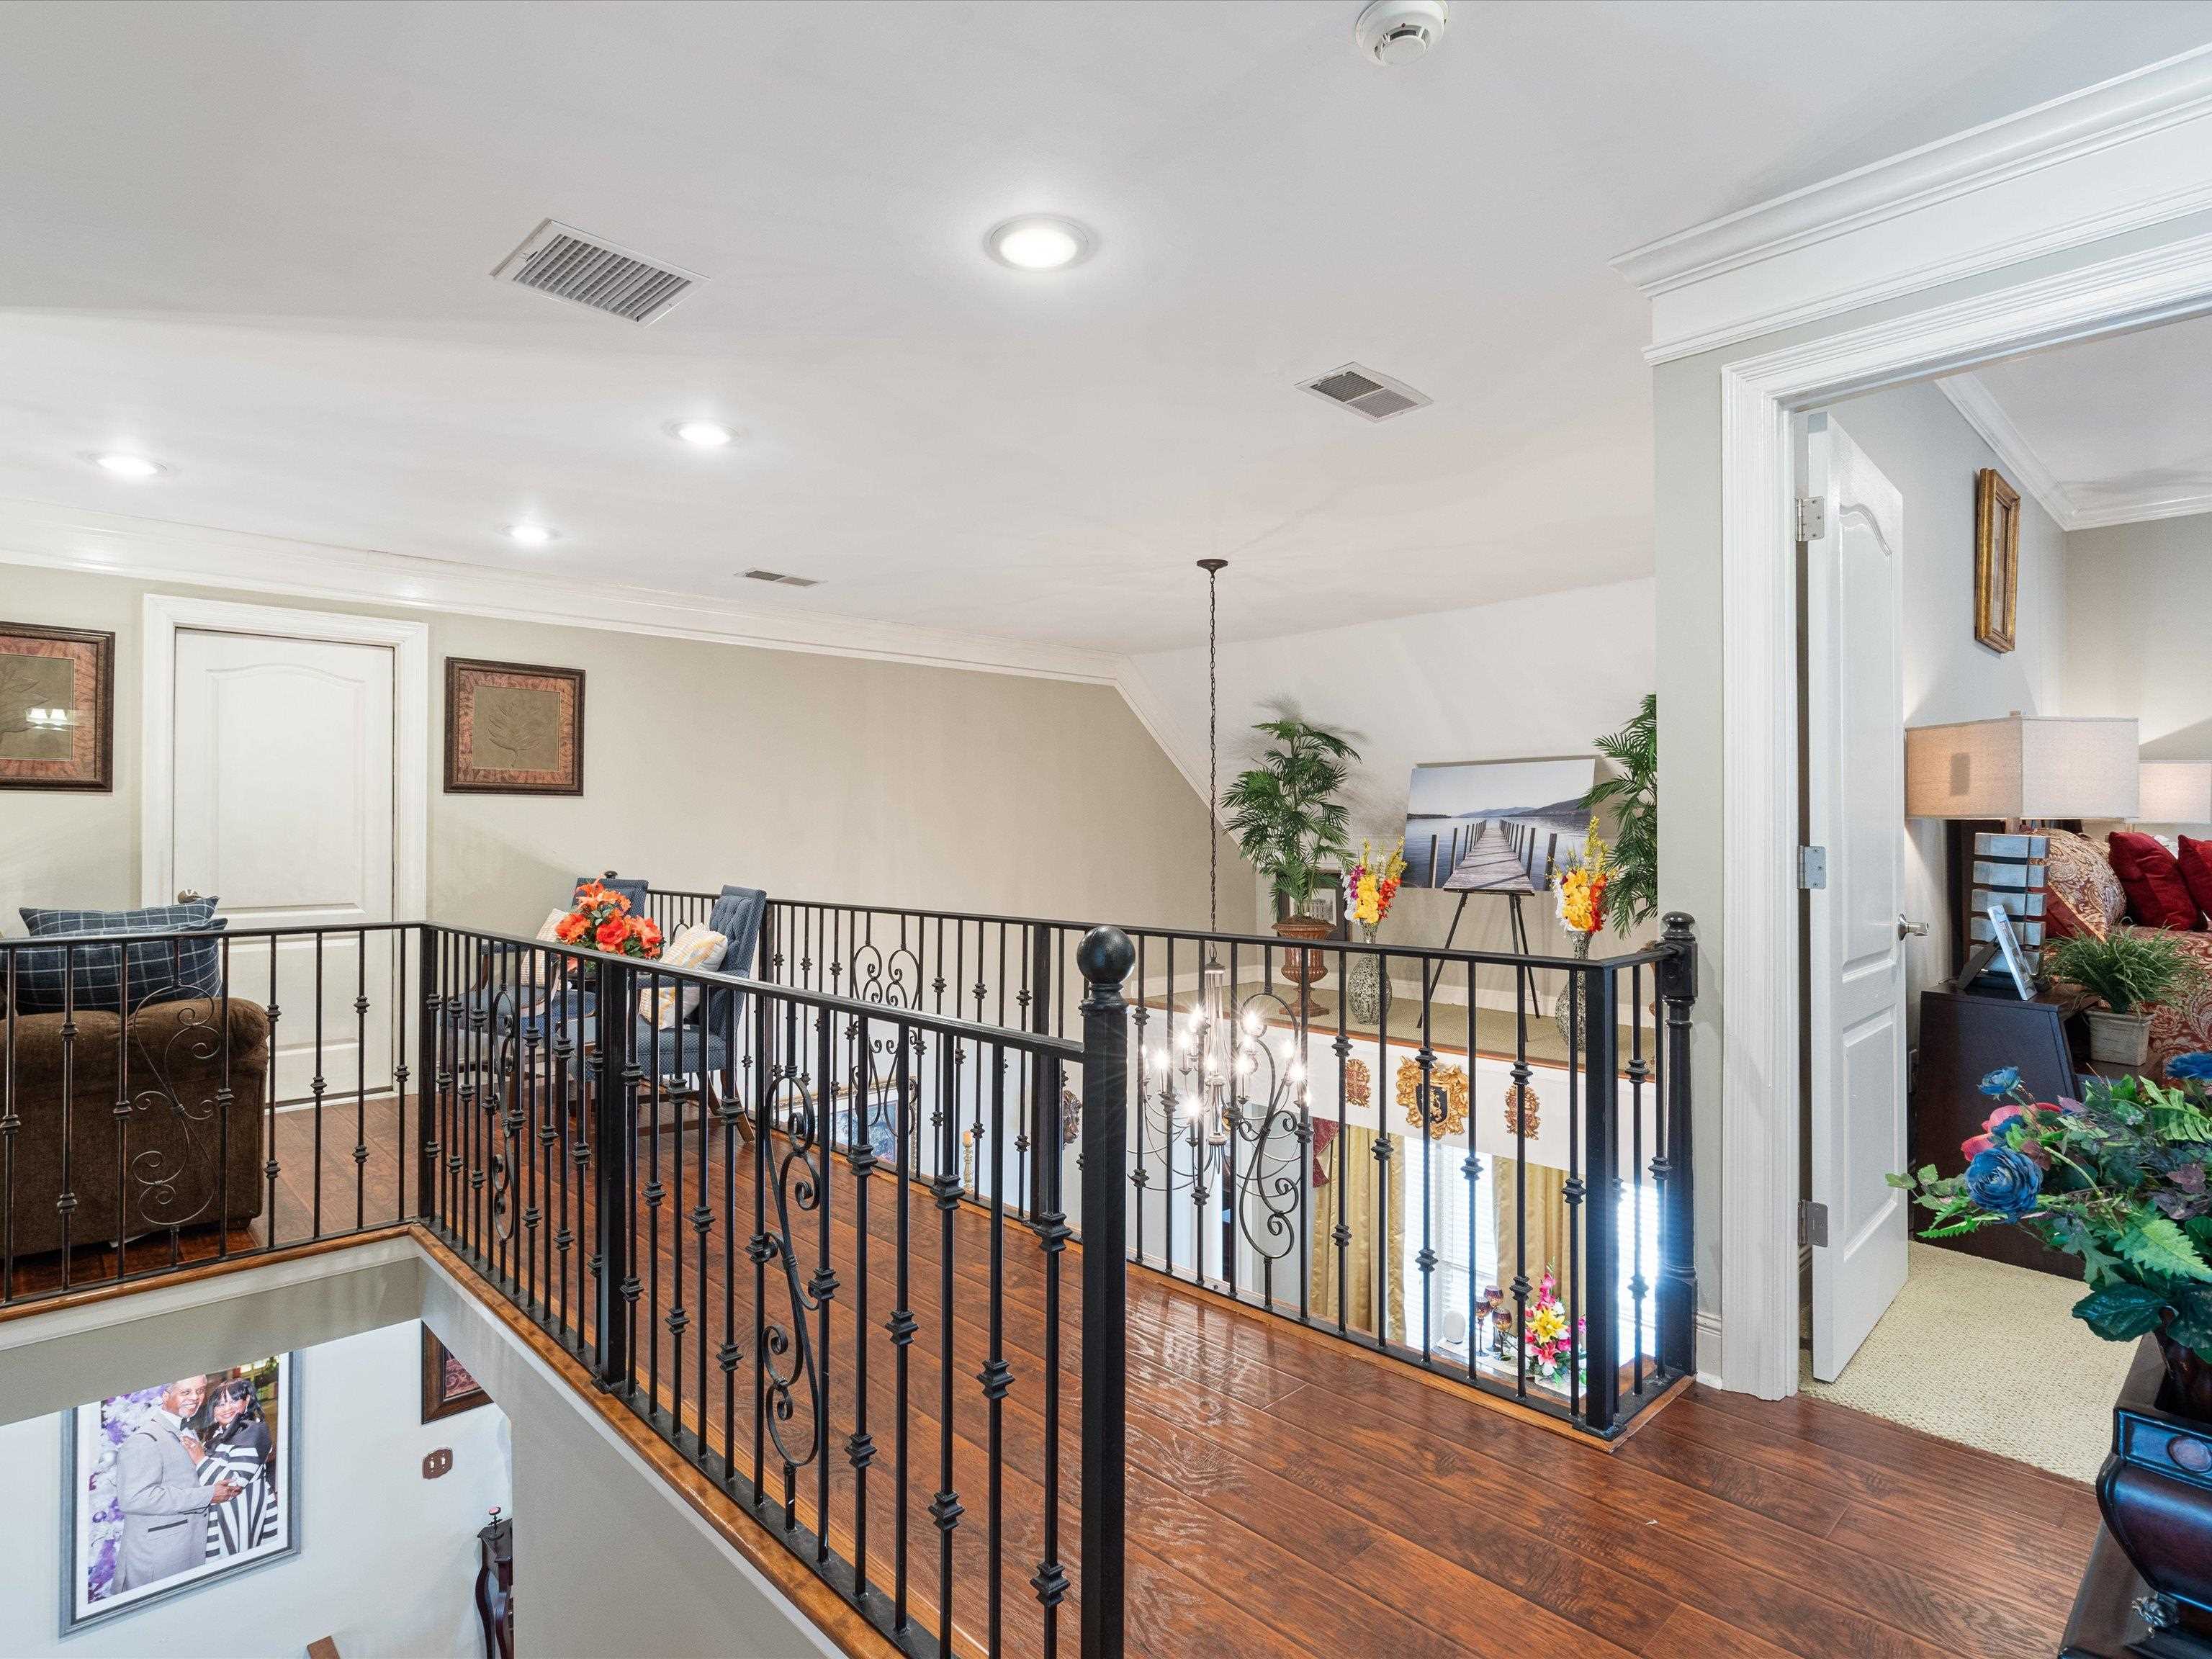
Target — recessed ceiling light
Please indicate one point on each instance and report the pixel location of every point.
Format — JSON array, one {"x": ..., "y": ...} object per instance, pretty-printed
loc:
[
  {"x": 706, "y": 435},
  {"x": 1039, "y": 241},
  {"x": 129, "y": 466},
  {"x": 530, "y": 535}
]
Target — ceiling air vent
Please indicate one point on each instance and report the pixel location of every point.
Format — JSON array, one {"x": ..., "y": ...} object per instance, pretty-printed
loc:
[
  {"x": 778, "y": 576},
  {"x": 1375, "y": 396},
  {"x": 568, "y": 263}
]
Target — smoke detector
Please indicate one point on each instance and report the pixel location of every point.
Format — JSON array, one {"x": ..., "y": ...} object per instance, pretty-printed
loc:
[
  {"x": 585, "y": 269},
  {"x": 1395, "y": 32},
  {"x": 1365, "y": 392}
]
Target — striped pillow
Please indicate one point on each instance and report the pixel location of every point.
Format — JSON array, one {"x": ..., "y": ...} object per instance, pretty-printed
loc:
[
  {"x": 694, "y": 946},
  {"x": 89, "y": 977}
]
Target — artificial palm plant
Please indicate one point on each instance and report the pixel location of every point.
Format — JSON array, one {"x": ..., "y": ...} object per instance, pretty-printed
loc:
[
  {"x": 1633, "y": 892},
  {"x": 1285, "y": 811}
]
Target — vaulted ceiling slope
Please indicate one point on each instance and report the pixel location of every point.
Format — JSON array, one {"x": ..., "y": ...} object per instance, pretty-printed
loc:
[{"x": 254, "y": 242}]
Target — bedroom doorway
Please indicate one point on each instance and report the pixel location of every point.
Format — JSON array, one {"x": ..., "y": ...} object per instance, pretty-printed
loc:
[{"x": 278, "y": 782}]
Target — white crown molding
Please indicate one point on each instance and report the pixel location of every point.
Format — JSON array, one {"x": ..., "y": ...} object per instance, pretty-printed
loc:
[
  {"x": 58, "y": 537},
  {"x": 2129, "y": 153},
  {"x": 1974, "y": 401},
  {"x": 1972, "y": 398},
  {"x": 1158, "y": 720},
  {"x": 2141, "y": 510}
]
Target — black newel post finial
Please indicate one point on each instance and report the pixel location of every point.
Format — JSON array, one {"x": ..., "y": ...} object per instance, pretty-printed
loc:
[
  {"x": 1105, "y": 957},
  {"x": 1677, "y": 1311}
]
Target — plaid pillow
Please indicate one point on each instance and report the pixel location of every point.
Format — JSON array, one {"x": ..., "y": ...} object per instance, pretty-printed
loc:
[{"x": 158, "y": 970}]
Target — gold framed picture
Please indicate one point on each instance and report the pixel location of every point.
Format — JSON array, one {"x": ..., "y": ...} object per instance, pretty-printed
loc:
[
  {"x": 57, "y": 707},
  {"x": 447, "y": 1388},
  {"x": 513, "y": 728},
  {"x": 1996, "y": 559}
]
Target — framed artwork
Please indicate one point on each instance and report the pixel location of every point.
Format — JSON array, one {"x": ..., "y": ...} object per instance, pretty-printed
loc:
[
  {"x": 57, "y": 707},
  {"x": 513, "y": 728},
  {"x": 1495, "y": 826},
  {"x": 447, "y": 1388},
  {"x": 173, "y": 1486},
  {"x": 1996, "y": 559}
]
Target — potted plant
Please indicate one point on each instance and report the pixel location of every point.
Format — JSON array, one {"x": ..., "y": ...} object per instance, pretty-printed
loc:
[
  {"x": 2125, "y": 970},
  {"x": 1631, "y": 891},
  {"x": 2122, "y": 1180},
  {"x": 1289, "y": 822}
]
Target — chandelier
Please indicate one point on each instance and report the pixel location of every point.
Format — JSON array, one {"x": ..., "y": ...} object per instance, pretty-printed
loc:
[{"x": 1236, "y": 1101}]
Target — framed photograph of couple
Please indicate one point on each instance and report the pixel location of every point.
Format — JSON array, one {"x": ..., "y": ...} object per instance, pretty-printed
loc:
[{"x": 170, "y": 1488}]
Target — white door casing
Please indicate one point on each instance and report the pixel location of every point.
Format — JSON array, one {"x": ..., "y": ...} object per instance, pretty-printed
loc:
[
  {"x": 277, "y": 747},
  {"x": 1855, "y": 810}
]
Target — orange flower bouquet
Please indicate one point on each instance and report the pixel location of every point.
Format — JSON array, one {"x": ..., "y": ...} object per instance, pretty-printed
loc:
[{"x": 602, "y": 922}]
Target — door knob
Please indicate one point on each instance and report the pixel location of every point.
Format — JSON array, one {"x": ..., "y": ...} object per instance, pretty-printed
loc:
[
  {"x": 1912, "y": 929},
  {"x": 185, "y": 896}
]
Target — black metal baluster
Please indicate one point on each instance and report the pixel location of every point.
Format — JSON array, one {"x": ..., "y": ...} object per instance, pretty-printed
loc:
[
  {"x": 656, "y": 982},
  {"x": 760, "y": 1249},
  {"x": 860, "y": 1449},
  {"x": 615, "y": 1293},
  {"x": 945, "y": 1508},
  {"x": 1602, "y": 1398},
  {"x": 997, "y": 1376},
  {"x": 1050, "y": 1581},
  {"x": 1472, "y": 1170},
  {"x": 1635, "y": 1073},
  {"x": 270, "y": 1167},
  {"x": 1104, "y": 958},
  {"x": 11, "y": 1125},
  {"x": 360, "y": 1080},
  {"x": 823, "y": 1286},
  {"x": 1576, "y": 1190},
  {"x": 901, "y": 1325},
  {"x": 729, "y": 1110},
  {"x": 1431, "y": 1126},
  {"x": 122, "y": 1110}
]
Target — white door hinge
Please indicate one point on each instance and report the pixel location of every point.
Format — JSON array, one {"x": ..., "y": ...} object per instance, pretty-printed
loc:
[
  {"x": 1812, "y": 867},
  {"x": 1812, "y": 518},
  {"x": 1812, "y": 1224}
]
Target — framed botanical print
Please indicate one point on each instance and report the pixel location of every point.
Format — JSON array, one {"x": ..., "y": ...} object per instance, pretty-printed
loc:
[
  {"x": 57, "y": 707},
  {"x": 447, "y": 1388},
  {"x": 170, "y": 1488},
  {"x": 513, "y": 728},
  {"x": 1996, "y": 559}
]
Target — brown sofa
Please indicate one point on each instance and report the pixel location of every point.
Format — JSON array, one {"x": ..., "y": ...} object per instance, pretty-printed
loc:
[{"x": 168, "y": 1144}]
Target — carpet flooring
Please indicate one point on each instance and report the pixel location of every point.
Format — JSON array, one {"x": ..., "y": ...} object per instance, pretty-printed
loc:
[{"x": 1987, "y": 1355}]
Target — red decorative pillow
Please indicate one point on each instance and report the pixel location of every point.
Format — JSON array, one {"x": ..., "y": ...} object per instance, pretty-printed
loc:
[
  {"x": 2195, "y": 862},
  {"x": 2158, "y": 893}
]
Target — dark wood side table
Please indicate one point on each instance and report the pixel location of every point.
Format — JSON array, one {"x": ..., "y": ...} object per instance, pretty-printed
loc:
[{"x": 1964, "y": 1036}]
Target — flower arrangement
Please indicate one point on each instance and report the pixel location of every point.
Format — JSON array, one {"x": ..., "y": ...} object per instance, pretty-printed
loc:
[
  {"x": 1580, "y": 882},
  {"x": 602, "y": 922},
  {"x": 1547, "y": 1343},
  {"x": 1370, "y": 887},
  {"x": 2118, "y": 1179}
]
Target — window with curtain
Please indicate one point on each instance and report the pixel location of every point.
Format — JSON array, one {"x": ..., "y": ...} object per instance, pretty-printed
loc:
[{"x": 1446, "y": 1182}]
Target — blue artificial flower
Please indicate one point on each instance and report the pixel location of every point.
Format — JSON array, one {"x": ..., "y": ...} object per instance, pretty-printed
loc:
[
  {"x": 2005, "y": 1181},
  {"x": 2003, "y": 1081},
  {"x": 2196, "y": 1067}
]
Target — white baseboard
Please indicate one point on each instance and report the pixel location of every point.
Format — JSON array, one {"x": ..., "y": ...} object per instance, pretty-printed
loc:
[{"x": 1709, "y": 1350}]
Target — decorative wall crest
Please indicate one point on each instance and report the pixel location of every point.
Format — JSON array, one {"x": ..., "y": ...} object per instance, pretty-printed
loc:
[
  {"x": 1359, "y": 1083},
  {"x": 1445, "y": 1111},
  {"x": 1521, "y": 1104}
]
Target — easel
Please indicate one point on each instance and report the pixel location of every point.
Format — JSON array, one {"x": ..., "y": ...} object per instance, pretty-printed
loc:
[{"x": 1521, "y": 885}]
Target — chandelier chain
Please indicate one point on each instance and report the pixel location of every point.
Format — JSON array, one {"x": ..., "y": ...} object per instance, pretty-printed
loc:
[{"x": 1212, "y": 750}]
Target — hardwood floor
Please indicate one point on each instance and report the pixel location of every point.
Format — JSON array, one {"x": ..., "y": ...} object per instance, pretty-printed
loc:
[{"x": 1290, "y": 1494}]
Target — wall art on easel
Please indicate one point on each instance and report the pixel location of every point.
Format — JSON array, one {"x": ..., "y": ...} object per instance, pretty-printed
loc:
[
  {"x": 57, "y": 707},
  {"x": 170, "y": 1488},
  {"x": 1494, "y": 826}
]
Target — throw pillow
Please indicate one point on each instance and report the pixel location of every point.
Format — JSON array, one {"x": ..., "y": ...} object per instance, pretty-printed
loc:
[
  {"x": 694, "y": 946},
  {"x": 2158, "y": 896},
  {"x": 99, "y": 977},
  {"x": 2085, "y": 896},
  {"x": 2195, "y": 862}
]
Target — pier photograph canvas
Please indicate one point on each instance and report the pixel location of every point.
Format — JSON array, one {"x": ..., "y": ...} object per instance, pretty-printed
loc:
[{"x": 1494, "y": 826}]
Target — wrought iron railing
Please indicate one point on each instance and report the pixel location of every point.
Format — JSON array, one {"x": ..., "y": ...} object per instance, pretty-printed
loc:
[
  {"x": 763, "y": 1215},
  {"x": 1475, "y": 1161}
]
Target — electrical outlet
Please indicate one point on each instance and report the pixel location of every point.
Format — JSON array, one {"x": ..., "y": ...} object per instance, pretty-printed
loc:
[{"x": 437, "y": 1462}]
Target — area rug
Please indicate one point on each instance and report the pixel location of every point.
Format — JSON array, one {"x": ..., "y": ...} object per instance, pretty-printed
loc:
[{"x": 1986, "y": 1354}]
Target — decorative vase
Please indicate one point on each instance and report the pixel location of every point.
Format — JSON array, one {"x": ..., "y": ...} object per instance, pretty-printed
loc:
[
  {"x": 1303, "y": 968},
  {"x": 1364, "y": 992},
  {"x": 2155, "y": 1491},
  {"x": 1567, "y": 1011},
  {"x": 2118, "y": 1039}
]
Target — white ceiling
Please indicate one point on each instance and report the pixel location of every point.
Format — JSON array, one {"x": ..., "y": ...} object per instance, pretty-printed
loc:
[
  {"x": 2111, "y": 431},
  {"x": 253, "y": 242}
]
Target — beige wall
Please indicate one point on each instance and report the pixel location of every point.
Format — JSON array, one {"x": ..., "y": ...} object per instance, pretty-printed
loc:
[
  {"x": 812, "y": 775},
  {"x": 2138, "y": 643}
]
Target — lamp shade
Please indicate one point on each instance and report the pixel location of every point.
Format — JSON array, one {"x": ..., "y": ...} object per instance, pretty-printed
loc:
[
  {"x": 2020, "y": 767},
  {"x": 2175, "y": 792}
]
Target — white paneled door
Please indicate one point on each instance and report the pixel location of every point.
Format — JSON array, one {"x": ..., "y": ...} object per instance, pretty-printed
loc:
[
  {"x": 281, "y": 779},
  {"x": 1855, "y": 802}
]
